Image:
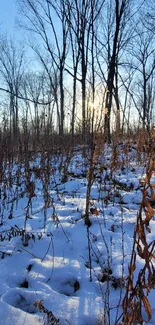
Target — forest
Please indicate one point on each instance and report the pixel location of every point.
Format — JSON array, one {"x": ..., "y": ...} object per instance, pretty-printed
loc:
[{"x": 77, "y": 163}]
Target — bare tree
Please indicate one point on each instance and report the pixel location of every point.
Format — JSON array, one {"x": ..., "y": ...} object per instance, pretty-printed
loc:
[
  {"x": 116, "y": 31},
  {"x": 121, "y": 7},
  {"x": 82, "y": 15},
  {"x": 40, "y": 21},
  {"x": 12, "y": 68},
  {"x": 73, "y": 25},
  {"x": 143, "y": 53}
]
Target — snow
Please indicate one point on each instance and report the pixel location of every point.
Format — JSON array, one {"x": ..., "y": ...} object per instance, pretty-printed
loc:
[{"x": 49, "y": 261}]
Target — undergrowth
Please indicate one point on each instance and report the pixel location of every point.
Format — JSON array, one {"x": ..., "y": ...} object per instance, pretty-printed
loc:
[{"x": 44, "y": 172}]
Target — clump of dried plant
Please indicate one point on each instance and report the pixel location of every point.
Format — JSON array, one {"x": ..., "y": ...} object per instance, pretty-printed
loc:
[{"x": 136, "y": 305}]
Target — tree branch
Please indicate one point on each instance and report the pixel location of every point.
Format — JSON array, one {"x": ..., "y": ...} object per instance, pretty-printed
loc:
[{"x": 25, "y": 98}]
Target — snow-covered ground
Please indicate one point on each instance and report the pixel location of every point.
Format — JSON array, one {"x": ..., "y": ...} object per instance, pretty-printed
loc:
[{"x": 48, "y": 254}]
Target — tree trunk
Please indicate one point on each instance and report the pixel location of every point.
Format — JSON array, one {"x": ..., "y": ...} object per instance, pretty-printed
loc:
[{"x": 61, "y": 129}]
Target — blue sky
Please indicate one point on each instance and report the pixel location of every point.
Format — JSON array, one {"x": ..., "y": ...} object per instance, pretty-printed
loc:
[{"x": 8, "y": 13}]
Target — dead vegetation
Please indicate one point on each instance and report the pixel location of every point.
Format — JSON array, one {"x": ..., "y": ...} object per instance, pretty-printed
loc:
[
  {"x": 136, "y": 299},
  {"x": 136, "y": 308}
]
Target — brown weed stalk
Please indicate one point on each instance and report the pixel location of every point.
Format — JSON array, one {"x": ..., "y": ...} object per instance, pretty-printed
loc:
[{"x": 136, "y": 306}]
